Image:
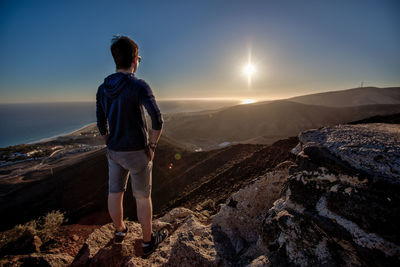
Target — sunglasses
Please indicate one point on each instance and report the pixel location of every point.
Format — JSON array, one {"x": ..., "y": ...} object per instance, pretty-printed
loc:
[{"x": 139, "y": 58}]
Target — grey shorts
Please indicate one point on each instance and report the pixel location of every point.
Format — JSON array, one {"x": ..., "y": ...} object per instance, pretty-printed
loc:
[{"x": 135, "y": 163}]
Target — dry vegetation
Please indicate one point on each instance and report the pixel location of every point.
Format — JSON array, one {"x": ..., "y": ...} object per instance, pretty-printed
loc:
[{"x": 44, "y": 227}]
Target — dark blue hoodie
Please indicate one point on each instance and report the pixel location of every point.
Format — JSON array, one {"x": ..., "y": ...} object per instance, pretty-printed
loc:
[{"x": 119, "y": 103}]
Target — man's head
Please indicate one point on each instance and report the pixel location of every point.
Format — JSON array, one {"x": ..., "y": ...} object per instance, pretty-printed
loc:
[{"x": 125, "y": 52}]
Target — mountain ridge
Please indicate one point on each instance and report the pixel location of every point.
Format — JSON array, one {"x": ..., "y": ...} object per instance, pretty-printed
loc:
[{"x": 353, "y": 97}]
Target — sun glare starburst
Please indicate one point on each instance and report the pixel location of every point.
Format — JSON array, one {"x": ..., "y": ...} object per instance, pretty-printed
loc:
[{"x": 249, "y": 70}]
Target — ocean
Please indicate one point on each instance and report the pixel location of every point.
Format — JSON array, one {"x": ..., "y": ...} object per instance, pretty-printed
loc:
[{"x": 30, "y": 122}]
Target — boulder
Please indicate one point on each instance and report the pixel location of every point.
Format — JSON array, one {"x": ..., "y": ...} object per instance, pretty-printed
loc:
[
  {"x": 239, "y": 219},
  {"x": 342, "y": 202}
]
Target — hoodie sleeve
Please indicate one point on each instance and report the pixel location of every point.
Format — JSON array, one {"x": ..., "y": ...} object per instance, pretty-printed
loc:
[
  {"x": 101, "y": 116},
  {"x": 149, "y": 102}
]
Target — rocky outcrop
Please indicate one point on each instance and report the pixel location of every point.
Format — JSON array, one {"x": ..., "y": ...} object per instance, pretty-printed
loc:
[
  {"x": 239, "y": 220},
  {"x": 190, "y": 243},
  {"x": 342, "y": 204}
]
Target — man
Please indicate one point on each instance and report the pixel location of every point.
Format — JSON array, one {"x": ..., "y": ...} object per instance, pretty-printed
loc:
[{"x": 119, "y": 105}]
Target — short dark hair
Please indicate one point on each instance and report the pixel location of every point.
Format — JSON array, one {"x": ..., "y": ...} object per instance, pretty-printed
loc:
[{"x": 123, "y": 50}]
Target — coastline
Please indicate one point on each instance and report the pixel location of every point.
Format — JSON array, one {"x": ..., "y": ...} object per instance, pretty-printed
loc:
[
  {"x": 54, "y": 137},
  {"x": 64, "y": 134},
  {"x": 52, "y": 149}
]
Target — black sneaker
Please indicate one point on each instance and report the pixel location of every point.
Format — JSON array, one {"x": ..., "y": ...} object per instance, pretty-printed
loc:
[
  {"x": 119, "y": 236},
  {"x": 156, "y": 238}
]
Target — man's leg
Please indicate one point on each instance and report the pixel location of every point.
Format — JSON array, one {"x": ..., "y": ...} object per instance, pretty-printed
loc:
[
  {"x": 145, "y": 216},
  {"x": 140, "y": 168},
  {"x": 141, "y": 181},
  {"x": 117, "y": 180},
  {"x": 116, "y": 210}
]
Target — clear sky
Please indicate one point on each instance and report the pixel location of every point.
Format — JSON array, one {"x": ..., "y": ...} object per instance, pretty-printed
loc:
[{"x": 59, "y": 50}]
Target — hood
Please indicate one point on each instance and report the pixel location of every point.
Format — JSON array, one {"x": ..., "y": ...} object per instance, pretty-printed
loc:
[{"x": 114, "y": 83}]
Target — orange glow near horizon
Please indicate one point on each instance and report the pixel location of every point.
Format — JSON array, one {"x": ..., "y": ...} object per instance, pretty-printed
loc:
[{"x": 248, "y": 101}]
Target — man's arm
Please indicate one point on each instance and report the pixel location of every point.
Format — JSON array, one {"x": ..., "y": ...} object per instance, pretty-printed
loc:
[
  {"x": 149, "y": 102},
  {"x": 101, "y": 116},
  {"x": 155, "y": 136}
]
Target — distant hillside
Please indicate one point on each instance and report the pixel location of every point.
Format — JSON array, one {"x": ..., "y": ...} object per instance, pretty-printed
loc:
[
  {"x": 352, "y": 97},
  {"x": 263, "y": 122}
]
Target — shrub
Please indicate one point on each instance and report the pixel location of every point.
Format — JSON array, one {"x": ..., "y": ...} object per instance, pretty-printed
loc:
[
  {"x": 48, "y": 225},
  {"x": 44, "y": 227}
]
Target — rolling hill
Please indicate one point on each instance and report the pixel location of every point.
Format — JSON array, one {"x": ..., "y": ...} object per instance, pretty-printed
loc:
[{"x": 264, "y": 122}]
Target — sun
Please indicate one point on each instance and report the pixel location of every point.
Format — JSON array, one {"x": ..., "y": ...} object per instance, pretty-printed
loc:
[{"x": 249, "y": 71}]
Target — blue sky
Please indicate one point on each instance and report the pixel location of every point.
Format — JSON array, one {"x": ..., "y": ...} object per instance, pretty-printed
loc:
[{"x": 59, "y": 50}]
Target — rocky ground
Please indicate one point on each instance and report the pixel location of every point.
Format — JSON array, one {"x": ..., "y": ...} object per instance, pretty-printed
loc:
[{"x": 334, "y": 202}]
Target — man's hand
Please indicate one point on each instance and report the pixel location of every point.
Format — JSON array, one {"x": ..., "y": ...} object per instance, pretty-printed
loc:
[
  {"x": 150, "y": 153},
  {"x": 105, "y": 138},
  {"x": 154, "y": 137}
]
